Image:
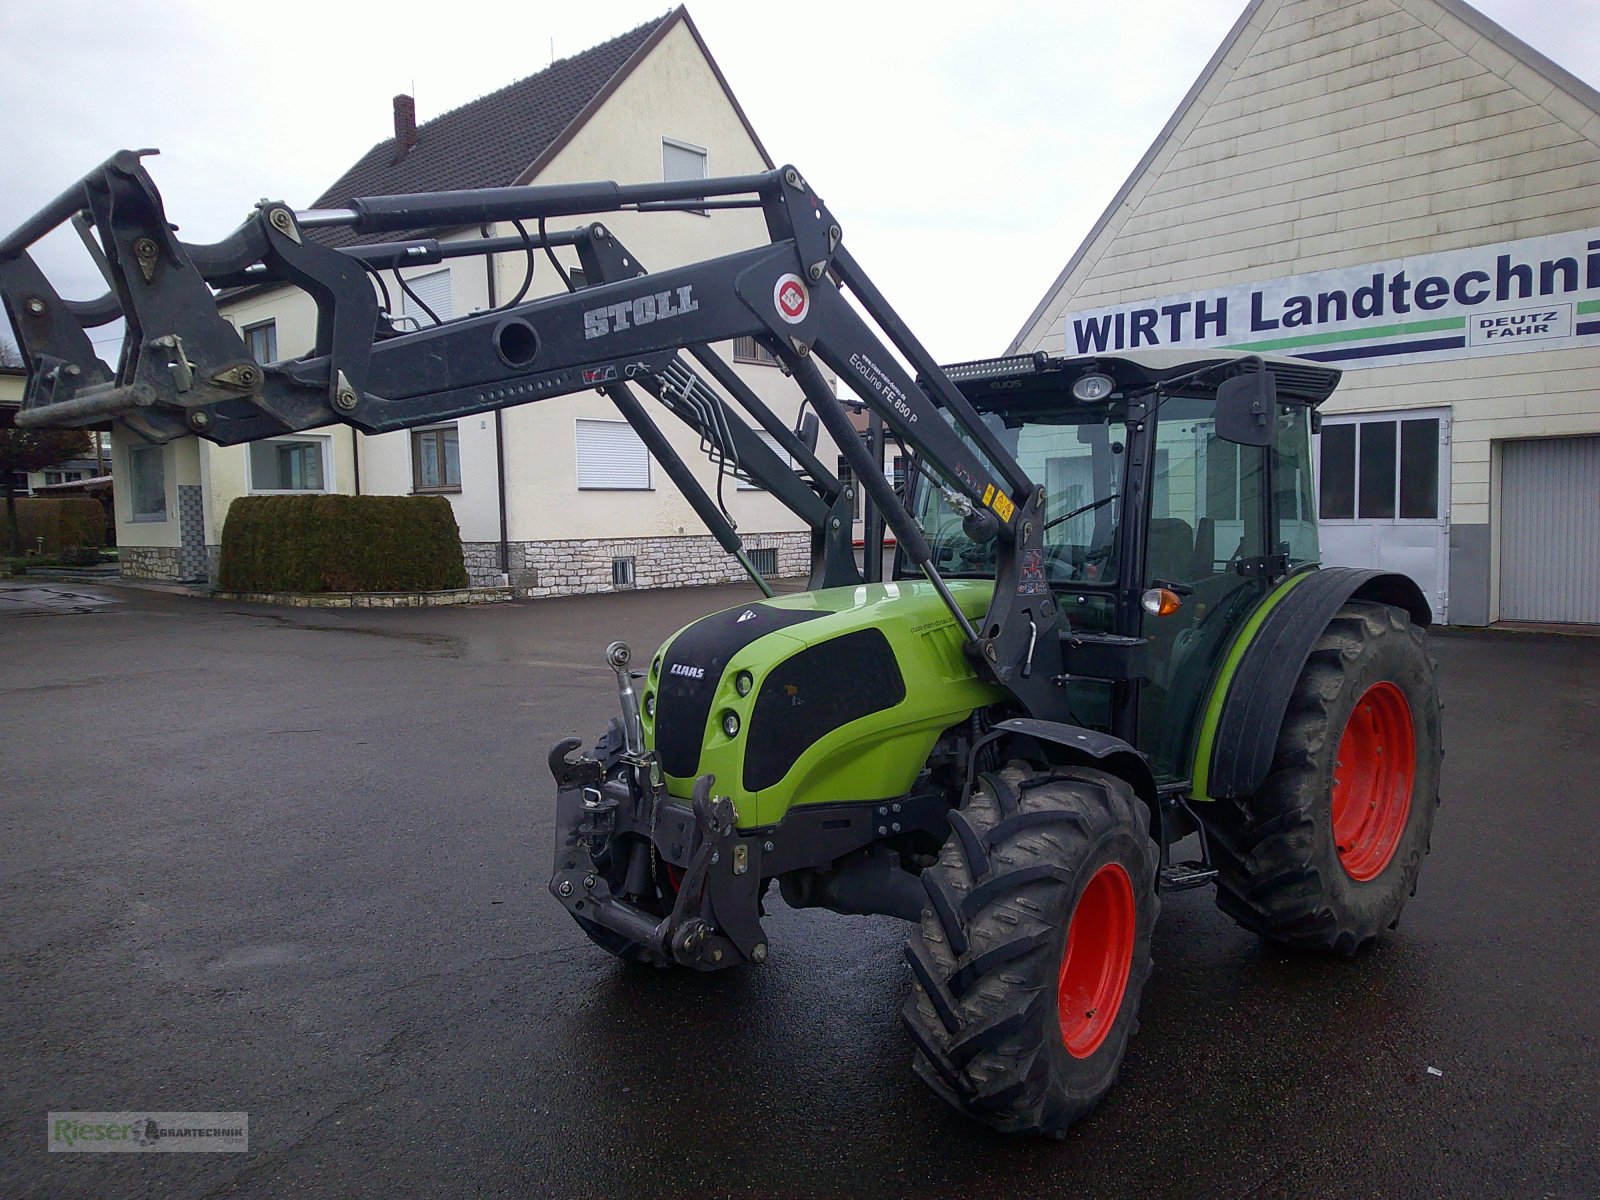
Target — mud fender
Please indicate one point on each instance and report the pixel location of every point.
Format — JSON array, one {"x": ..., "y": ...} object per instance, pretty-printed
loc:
[{"x": 1257, "y": 698}]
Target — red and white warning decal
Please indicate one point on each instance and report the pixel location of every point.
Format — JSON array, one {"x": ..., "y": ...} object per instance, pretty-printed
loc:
[{"x": 790, "y": 298}]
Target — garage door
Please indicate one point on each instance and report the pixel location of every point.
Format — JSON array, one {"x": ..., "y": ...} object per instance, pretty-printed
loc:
[{"x": 1550, "y": 530}]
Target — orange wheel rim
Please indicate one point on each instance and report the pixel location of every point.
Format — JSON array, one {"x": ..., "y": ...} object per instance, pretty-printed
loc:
[
  {"x": 1373, "y": 776},
  {"x": 1099, "y": 955}
]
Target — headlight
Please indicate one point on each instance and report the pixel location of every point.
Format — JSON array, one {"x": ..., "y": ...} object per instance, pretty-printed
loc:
[
  {"x": 743, "y": 682},
  {"x": 650, "y": 704},
  {"x": 1093, "y": 386},
  {"x": 730, "y": 724}
]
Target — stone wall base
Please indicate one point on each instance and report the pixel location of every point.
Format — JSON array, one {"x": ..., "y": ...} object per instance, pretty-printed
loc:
[
  {"x": 564, "y": 568},
  {"x": 483, "y": 595},
  {"x": 584, "y": 566},
  {"x": 163, "y": 563}
]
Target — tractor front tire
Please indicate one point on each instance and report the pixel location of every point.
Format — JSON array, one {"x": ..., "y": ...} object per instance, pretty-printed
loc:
[
  {"x": 1034, "y": 947},
  {"x": 1326, "y": 853}
]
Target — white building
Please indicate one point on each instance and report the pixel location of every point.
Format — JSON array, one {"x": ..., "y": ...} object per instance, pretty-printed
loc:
[
  {"x": 1405, "y": 190},
  {"x": 557, "y": 496}
]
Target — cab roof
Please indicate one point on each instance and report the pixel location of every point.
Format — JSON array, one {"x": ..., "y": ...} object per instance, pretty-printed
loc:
[{"x": 1298, "y": 380}]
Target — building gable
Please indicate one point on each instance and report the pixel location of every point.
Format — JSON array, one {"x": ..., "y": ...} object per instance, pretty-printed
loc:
[
  {"x": 1323, "y": 134},
  {"x": 508, "y": 136}
]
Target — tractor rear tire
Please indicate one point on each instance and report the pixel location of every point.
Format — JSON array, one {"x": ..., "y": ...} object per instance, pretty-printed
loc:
[
  {"x": 1034, "y": 947},
  {"x": 1326, "y": 853}
]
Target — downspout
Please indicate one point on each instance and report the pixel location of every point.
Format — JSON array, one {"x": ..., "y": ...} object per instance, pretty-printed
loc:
[
  {"x": 355, "y": 455},
  {"x": 499, "y": 435}
]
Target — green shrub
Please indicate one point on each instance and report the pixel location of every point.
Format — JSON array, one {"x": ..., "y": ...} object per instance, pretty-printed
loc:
[
  {"x": 73, "y": 556},
  {"x": 341, "y": 544},
  {"x": 61, "y": 521}
]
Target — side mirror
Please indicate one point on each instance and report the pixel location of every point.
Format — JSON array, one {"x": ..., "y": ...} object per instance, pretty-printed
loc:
[
  {"x": 807, "y": 432},
  {"x": 1245, "y": 406}
]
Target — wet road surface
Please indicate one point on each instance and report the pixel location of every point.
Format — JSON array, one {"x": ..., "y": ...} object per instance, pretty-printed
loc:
[{"x": 292, "y": 862}]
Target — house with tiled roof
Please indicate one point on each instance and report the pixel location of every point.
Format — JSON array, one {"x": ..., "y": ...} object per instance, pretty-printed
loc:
[{"x": 552, "y": 497}]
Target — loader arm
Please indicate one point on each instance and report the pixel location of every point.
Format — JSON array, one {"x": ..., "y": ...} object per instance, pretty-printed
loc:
[{"x": 184, "y": 369}]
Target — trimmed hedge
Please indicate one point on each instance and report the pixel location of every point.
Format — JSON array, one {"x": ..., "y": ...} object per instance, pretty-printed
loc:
[
  {"x": 63, "y": 521},
  {"x": 341, "y": 544}
]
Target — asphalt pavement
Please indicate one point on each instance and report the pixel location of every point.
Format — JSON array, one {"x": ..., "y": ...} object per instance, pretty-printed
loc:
[{"x": 293, "y": 863}]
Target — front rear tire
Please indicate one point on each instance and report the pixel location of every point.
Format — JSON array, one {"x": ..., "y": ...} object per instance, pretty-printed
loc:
[
  {"x": 1033, "y": 950},
  {"x": 1326, "y": 853}
]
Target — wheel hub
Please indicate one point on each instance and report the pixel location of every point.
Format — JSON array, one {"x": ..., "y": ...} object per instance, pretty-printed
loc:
[
  {"x": 1099, "y": 955},
  {"x": 1372, "y": 781}
]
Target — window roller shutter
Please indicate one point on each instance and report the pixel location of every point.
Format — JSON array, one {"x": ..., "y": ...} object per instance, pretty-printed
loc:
[
  {"x": 434, "y": 291},
  {"x": 610, "y": 455}
]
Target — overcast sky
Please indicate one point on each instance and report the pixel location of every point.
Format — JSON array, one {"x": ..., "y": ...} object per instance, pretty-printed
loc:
[{"x": 966, "y": 148}]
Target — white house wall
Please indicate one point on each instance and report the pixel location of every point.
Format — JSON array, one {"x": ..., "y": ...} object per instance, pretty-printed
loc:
[
  {"x": 172, "y": 548},
  {"x": 674, "y": 94},
  {"x": 1336, "y": 133},
  {"x": 385, "y": 461},
  {"x": 386, "y": 458}
]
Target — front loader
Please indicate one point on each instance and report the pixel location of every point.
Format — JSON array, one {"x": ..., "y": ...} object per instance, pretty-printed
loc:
[{"x": 1105, "y": 628}]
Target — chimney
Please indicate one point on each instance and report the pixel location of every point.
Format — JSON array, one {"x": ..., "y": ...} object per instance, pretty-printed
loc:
[{"x": 405, "y": 126}]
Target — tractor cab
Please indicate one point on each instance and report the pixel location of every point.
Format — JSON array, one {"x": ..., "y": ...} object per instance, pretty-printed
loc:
[{"x": 1178, "y": 490}]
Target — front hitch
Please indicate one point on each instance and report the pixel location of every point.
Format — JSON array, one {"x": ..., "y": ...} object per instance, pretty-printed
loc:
[{"x": 715, "y": 917}]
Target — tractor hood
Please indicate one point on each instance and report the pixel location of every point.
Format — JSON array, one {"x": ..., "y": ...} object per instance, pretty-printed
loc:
[{"x": 837, "y": 694}]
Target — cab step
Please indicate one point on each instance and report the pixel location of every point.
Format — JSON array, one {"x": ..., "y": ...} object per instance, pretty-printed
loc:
[{"x": 1179, "y": 877}]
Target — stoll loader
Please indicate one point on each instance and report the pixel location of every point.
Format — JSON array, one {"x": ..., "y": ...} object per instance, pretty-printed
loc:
[{"x": 1105, "y": 627}]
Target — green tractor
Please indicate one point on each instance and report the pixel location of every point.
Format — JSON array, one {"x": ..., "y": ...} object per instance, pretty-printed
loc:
[
  {"x": 1105, "y": 628},
  {"x": 1212, "y": 680}
]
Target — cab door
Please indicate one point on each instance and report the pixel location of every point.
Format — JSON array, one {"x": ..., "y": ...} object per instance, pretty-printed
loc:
[{"x": 1208, "y": 518}]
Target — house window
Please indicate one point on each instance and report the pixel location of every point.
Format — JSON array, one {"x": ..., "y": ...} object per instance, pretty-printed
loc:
[
  {"x": 683, "y": 160},
  {"x": 765, "y": 560},
  {"x": 611, "y": 457},
  {"x": 436, "y": 460},
  {"x": 19, "y": 483},
  {"x": 148, "y": 473},
  {"x": 1419, "y": 469},
  {"x": 426, "y": 297},
  {"x": 62, "y": 476},
  {"x": 772, "y": 444},
  {"x": 261, "y": 341},
  {"x": 749, "y": 350},
  {"x": 289, "y": 465}
]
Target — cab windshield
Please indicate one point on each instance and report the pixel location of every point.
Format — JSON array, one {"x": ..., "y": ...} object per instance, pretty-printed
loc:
[{"x": 1077, "y": 454}]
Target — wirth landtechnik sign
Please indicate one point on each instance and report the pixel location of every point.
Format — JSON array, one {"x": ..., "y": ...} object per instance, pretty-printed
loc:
[{"x": 1539, "y": 293}]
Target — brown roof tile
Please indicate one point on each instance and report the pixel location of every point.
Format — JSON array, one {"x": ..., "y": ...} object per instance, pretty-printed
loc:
[{"x": 490, "y": 141}]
